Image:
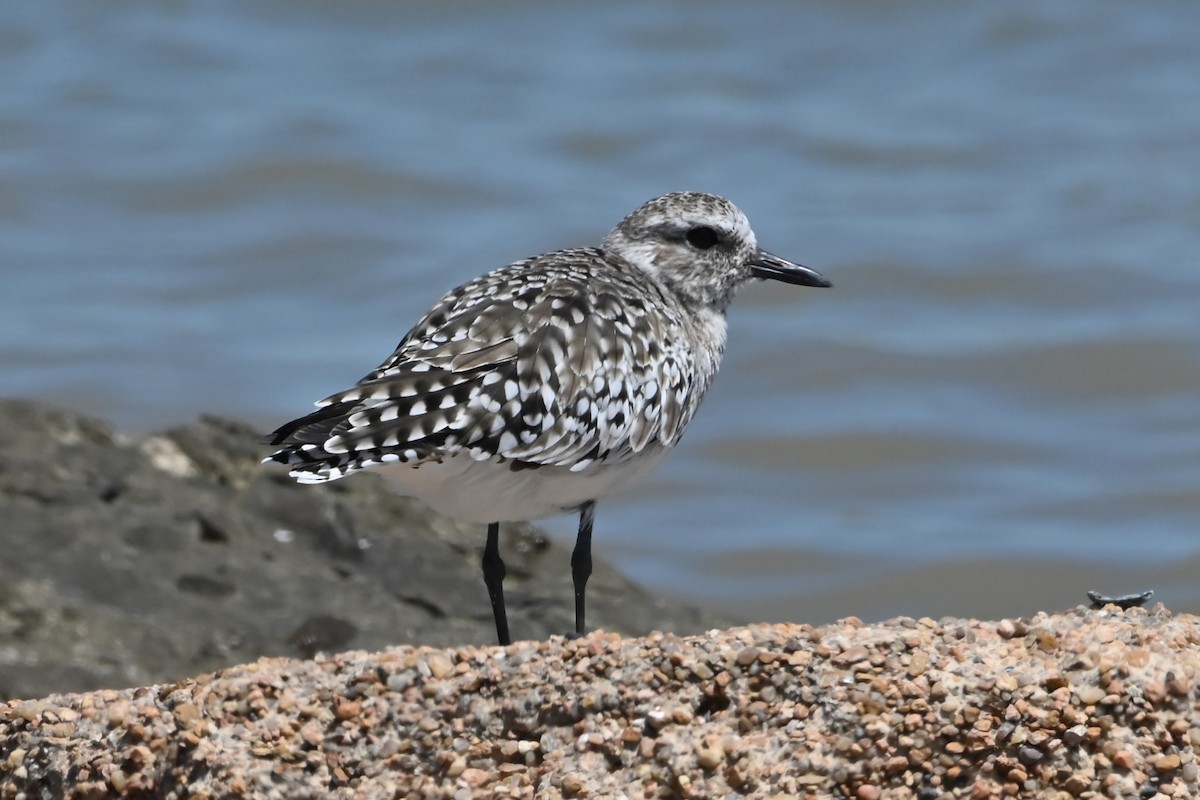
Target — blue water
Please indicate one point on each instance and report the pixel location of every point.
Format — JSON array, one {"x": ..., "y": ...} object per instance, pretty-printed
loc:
[{"x": 240, "y": 208}]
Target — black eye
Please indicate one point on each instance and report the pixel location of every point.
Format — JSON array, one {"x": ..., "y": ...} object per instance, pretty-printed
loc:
[{"x": 703, "y": 238}]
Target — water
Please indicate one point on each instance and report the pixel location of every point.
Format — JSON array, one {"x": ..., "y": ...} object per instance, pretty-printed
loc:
[{"x": 240, "y": 208}]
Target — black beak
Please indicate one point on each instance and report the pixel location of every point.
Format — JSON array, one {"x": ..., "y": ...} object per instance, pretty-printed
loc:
[{"x": 765, "y": 265}]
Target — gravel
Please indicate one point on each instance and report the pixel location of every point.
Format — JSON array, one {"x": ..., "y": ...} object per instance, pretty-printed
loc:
[{"x": 1086, "y": 703}]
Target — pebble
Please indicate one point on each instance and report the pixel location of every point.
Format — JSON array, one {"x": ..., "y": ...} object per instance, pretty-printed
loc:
[
  {"x": 747, "y": 656},
  {"x": 710, "y": 752},
  {"x": 439, "y": 665},
  {"x": 1168, "y": 763},
  {"x": 851, "y": 655},
  {"x": 1074, "y": 736}
]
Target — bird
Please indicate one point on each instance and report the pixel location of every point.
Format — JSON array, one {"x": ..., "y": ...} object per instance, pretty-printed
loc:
[{"x": 546, "y": 385}]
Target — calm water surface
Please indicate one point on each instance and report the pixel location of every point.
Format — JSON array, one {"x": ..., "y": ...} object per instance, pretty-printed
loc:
[{"x": 240, "y": 208}]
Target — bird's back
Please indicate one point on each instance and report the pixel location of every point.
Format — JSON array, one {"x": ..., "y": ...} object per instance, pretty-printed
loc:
[{"x": 572, "y": 362}]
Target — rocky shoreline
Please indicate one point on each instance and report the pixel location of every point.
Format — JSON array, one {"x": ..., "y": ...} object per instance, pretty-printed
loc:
[
  {"x": 133, "y": 560},
  {"x": 1089, "y": 703}
]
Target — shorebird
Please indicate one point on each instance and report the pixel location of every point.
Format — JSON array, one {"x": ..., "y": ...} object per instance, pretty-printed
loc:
[{"x": 550, "y": 383}]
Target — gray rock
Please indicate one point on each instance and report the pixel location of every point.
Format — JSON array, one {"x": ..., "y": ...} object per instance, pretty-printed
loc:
[{"x": 130, "y": 561}]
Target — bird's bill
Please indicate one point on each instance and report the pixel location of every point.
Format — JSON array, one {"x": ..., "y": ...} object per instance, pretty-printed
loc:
[{"x": 772, "y": 267}]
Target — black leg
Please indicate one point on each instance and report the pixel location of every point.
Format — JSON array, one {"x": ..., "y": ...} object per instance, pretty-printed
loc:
[
  {"x": 581, "y": 561},
  {"x": 493, "y": 578}
]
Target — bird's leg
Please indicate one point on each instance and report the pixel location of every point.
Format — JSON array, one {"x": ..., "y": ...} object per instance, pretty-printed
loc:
[
  {"x": 493, "y": 578},
  {"x": 581, "y": 560}
]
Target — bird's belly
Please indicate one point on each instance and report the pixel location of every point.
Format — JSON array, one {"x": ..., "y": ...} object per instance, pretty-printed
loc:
[{"x": 487, "y": 491}]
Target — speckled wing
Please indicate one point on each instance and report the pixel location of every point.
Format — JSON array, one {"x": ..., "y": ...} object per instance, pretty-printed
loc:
[{"x": 556, "y": 360}]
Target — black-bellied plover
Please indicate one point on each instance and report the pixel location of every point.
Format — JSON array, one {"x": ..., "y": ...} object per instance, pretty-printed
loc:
[{"x": 550, "y": 383}]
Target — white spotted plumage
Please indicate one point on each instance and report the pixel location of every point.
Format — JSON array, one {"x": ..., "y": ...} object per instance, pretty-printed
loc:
[{"x": 552, "y": 381}]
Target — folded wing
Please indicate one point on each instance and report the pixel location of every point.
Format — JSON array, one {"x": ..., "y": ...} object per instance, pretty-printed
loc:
[{"x": 560, "y": 368}]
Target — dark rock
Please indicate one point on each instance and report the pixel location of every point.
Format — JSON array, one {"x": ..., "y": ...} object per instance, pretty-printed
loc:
[
  {"x": 128, "y": 561},
  {"x": 322, "y": 634}
]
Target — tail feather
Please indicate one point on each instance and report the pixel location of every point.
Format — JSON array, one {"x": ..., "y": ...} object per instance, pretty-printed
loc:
[
  {"x": 301, "y": 441},
  {"x": 313, "y": 428}
]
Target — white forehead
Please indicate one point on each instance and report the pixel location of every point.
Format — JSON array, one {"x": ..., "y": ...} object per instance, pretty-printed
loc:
[{"x": 689, "y": 210}]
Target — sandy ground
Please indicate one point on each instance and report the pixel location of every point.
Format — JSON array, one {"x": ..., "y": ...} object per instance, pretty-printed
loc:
[{"x": 1089, "y": 703}]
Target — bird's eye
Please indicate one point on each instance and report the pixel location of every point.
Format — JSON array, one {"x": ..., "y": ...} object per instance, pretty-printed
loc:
[{"x": 703, "y": 237}]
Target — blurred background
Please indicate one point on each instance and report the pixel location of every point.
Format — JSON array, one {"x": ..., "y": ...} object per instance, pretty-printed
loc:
[{"x": 240, "y": 208}]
